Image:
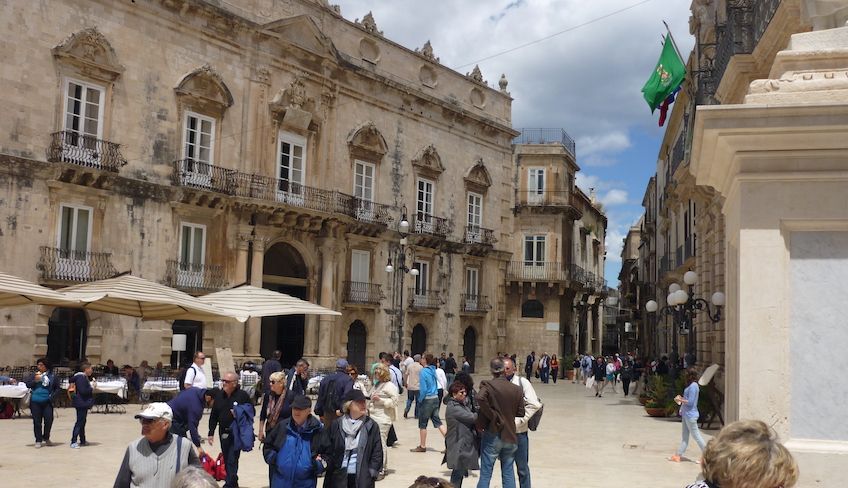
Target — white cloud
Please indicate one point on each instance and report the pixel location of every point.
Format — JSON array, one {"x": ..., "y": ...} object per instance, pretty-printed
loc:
[
  {"x": 614, "y": 244},
  {"x": 614, "y": 197},
  {"x": 612, "y": 142}
]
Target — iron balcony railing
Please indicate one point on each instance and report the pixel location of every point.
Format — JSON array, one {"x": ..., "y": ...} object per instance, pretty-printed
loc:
[
  {"x": 424, "y": 299},
  {"x": 83, "y": 150},
  {"x": 198, "y": 174},
  {"x": 678, "y": 152},
  {"x": 537, "y": 271},
  {"x": 547, "y": 136},
  {"x": 363, "y": 210},
  {"x": 474, "y": 234},
  {"x": 546, "y": 198},
  {"x": 359, "y": 292},
  {"x": 194, "y": 277},
  {"x": 75, "y": 266},
  {"x": 474, "y": 303},
  {"x": 679, "y": 256},
  {"x": 577, "y": 273},
  {"x": 284, "y": 191},
  {"x": 431, "y": 225},
  {"x": 590, "y": 279}
]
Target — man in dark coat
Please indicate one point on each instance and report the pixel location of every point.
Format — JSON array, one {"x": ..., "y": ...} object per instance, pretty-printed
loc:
[
  {"x": 222, "y": 414},
  {"x": 272, "y": 365},
  {"x": 528, "y": 366},
  {"x": 330, "y": 392},
  {"x": 500, "y": 403},
  {"x": 187, "y": 408},
  {"x": 296, "y": 382},
  {"x": 355, "y": 433}
]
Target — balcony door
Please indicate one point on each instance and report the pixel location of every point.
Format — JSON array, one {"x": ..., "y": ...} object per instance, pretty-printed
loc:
[
  {"x": 360, "y": 275},
  {"x": 475, "y": 217},
  {"x": 536, "y": 185},
  {"x": 472, "y": 288},
  {"x": 534, "y": 256},
  {"x": 82, "y": 123},
  {"x": 424, "y": 207},
  {"x": 74, "y": 242},
  {"x": 192, "y": 255},
  {"x": 363, "y": 190},
  {"x": 291, "y": 169},
  {"x": 197, "y": 160},
  {"x": 422, "y": 282}
]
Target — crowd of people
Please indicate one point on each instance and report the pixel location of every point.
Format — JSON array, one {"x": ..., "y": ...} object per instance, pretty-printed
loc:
[{"x": 345, "y": 436}]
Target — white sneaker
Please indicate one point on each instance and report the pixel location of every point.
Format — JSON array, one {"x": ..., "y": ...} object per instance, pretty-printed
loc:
[
  {"x": 74, "y": 445},
  {"x": 38, "y": 445}
]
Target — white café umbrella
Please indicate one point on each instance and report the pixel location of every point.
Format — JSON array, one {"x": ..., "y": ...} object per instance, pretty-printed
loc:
[
  {"x": 130, "y": 295},
  {"x": 16, "y": 291},
  {"x": 245, "y": 301}
]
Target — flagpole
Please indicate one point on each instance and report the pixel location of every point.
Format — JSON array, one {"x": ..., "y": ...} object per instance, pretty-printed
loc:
[{"x": 673, "y": 43}]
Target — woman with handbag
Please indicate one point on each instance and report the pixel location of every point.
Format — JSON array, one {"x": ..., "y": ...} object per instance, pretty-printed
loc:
[
  {"x": 81, "y": 389},
  {"x": 689, "y": 412},
  {"x": 462, "y": 452},
  {"x": 383, "y": 408},
  {"x": 43, "y": 385}
]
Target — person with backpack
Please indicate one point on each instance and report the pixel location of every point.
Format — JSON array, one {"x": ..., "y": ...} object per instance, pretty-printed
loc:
[
  {"x": 43, "y": 385},
  {"x": 575, "y": 370},
  {"x": 626, "y": 374},
  {"x": 221, "y": 415},
  {"x": 450, "y": 369},
  {"x": 292, "y": 448},
  {"x": 330, "y": 392},
  {"x": 82, "y": 399},
  {"x": 194, "y": 375},
  {"x": 532, "y": 405}
]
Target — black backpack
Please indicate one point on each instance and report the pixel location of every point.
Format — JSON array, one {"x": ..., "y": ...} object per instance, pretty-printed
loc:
[
  {"x": 182, "y": 379},
  {"x": 330, "y": 398}
]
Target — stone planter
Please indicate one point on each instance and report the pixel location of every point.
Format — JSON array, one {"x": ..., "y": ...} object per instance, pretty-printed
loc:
[
  {"x": 569, "y": 375},
  {"x": 656, "y": 411},
  {"x": 643, "y": 400}
]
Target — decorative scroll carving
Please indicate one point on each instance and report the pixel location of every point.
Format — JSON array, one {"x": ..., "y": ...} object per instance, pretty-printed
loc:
[
  {"x": 478, "y": 178},
  {"x": 427, "y": 52},
  {"x": 369, "y": 24},
  {"x": 367, "y": 142},
  {"x": 204, "y": 89},
  {"x": 428, "y": 162},
  {"x": 90, "y": 52},
  {"x": 291, "y": 106},
  {"x": 476, "y": 75}
]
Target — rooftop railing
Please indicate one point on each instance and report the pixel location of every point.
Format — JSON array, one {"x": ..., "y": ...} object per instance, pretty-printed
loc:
[{"x": 547, "y": 136}]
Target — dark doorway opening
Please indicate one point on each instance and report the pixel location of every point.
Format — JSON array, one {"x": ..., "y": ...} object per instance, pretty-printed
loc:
[
  {"x": 67, "y": 334},
  {"x": 357, "y": 337},
  {"x": 469, "y": 346},
  {"x": 284, "y": 332},
  {"x": 419, "y": 339},
  {"x": 193, "y": 331}
]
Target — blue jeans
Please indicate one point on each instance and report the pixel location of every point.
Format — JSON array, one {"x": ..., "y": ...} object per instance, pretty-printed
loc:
[
  {"x": 231, "y": 459},
  {"x": 411, "y": 396},
  {"x": 42, "y": 413},
  {"x": 522, "y": 460},
  {"x": 491, "y": 449},
  {"x": 79, "y": 425},
  {"x": 543, "y": 374},
  {"x": 690, "y": 425}
]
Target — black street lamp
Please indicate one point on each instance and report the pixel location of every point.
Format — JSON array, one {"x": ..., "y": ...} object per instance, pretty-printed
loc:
[{"x": 400, "y": 261}]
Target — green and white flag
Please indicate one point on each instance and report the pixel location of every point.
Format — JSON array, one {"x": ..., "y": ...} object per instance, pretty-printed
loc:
[{"x": 667, "y": 76}]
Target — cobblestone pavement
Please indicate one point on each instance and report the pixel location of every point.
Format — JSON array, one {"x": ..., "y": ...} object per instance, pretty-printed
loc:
[{"x": 582, "y": 441}]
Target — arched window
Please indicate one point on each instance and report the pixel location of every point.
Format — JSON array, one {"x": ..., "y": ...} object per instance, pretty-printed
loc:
[{"x": 533, "y": 309}]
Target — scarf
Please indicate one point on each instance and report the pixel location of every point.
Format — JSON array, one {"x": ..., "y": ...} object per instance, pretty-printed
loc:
[
  {"x": 275, "y": 407},
  {"x": 351, "y": 429}
]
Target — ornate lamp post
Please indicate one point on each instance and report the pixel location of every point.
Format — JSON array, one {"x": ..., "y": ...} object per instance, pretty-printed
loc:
[
  {"x": 400, "y": 253},
  {"x": 683, "y": 307}
]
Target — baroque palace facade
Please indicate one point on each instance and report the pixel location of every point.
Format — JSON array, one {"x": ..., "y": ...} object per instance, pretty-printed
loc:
[{"x": 207, "y": 144}]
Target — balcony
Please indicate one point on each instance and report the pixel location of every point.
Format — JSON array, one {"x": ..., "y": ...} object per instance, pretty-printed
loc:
[
  {"x": 555, "y": 201},
  {"x": 430, "y": 225},
  {"x": 474, "y": 234},
  {"x": 357, "y": 292},
  {"x": 536, "y": 271},
  {"x": 283, "y": 191},
  {"x": 474, "y": 303},
  {"x": 204, "y": 176},
  {"x": 194, "y": 278},
  {"x": 62, "y": 265},
  {"x": 83, "y": 150},
  {"x": 547, "y": 136},
  {"x": 424, "y": 299},
  {"x": 590, "y": 279},
  {"x": 678, "y": 152},
  {"x": 577, "y": 274},
  {"x": 364, "y": 211}
]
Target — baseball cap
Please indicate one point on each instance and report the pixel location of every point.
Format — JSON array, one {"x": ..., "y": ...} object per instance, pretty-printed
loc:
[
  {"x": 157, "y": 410},
  {"x": 341, "y": 363},
  {"x": 301, "y": 402},
  {"x": 353, "y": 395}
]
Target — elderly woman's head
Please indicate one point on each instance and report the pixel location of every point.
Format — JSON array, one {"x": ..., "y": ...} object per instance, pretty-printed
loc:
[
  {"x": 747, "y": 454},
  {"x": 381, "y": 373},
  {"x": 277, "y": 380}
]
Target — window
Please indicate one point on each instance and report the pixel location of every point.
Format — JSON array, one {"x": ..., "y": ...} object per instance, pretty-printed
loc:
[
  {"x": 536, "y": 184},
  {"x": 363, "y": 189},
  {"x": 192, "y": 254},
  {"x": 291, "y": 168},
  {"x": 422, "y": 281},
  {"x": 74, "y": 232},
  {"x": 197, "y": 150},
  {"x": 534, "y": 250},
  {"x": 533, "y": 309},
  {"x": 475, "y": 216},
  {"x": 424, "y": 207},
  {"x": 82, "y": 122},
  {"x": 360, "y": 266},
  {"x": 472, "y": 288}
]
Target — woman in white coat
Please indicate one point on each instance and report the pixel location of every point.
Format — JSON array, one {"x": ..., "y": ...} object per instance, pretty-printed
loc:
[{"x": 383, "y": 407}]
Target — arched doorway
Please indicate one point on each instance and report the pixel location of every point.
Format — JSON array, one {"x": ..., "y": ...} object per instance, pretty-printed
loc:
[
  {"x": 469, "y": 345},
  {"x": 193, "y": 331},
  {"x": 67, "y": 336},
  {"x": 284, "y": 271},
  {"x": 356, "y": 339},
  {"x": 419, "y": 339}
]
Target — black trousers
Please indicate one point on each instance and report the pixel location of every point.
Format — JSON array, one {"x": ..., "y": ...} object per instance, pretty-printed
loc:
[
  {"x": 42, "y": 413},
  {"x": 625, "y": 384}
]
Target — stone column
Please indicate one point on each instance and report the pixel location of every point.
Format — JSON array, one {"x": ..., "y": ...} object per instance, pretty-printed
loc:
[
  {"x": 310, "y": 335},
  {"x": 253, "y": 330},
  {"x": 780, "y": 160},
  {"x": 326, "y": 323},
  {"x": 237, "y": 329}
]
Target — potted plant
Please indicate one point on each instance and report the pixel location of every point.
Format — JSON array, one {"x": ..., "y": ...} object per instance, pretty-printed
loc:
[
  {"x": 566, "y": 363},
  {"x": 656, "y": 403}
]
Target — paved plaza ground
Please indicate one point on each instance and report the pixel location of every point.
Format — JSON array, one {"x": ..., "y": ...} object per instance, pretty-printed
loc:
[{"x": 583, "y": 442}]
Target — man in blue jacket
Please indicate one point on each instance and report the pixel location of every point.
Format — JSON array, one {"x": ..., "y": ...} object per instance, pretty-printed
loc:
[
  {"x": 187, "y": 408},
  {"x": 429, "y": 395},
  {"x": 83, "y": 400},
  {"x": 331, "y": 391},
  {"x": 291, "y": 448}
]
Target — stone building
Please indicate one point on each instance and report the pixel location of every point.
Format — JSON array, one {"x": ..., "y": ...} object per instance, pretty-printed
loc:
[
  {"x": 207, "y": 144},
  {"x": 630, "y": 324}
]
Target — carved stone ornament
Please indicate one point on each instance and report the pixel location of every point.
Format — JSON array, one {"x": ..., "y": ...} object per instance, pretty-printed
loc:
[
  {"x": 366, "y": 141},
  {"x": 503, "y": 83},
  {"x": 428, "y": 162},
  {"x": 205, "y": 90},
  {"x": 427, "y": 52},
  {"x": 90, "y": 52},
  {"x": 369, "y": 24},
  {"x": 825, "y": 14},
  {"x": 291, "y": 107},
  {"x": 478, "y": 178},
  {"x": 476, "y": 75}
]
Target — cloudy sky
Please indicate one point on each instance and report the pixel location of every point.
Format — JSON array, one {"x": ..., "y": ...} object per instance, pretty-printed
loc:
[{"x": 586, "y": 80}]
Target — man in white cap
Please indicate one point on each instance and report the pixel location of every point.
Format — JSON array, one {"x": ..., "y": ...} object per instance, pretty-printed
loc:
[{"x": 154, "y": 459}]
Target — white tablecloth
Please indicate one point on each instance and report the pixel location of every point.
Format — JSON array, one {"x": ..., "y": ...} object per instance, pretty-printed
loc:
[
  {"x": 14, "y": 391},
  {"x": 116, "y": 386},
  {"x": 161, "y": 385}
]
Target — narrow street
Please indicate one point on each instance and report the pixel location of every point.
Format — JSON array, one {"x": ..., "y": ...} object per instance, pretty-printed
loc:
[{"x": 582, "y": 441}]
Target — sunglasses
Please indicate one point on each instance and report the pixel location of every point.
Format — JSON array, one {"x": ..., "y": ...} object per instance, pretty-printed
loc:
[{"x": 147, "y": 421}]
